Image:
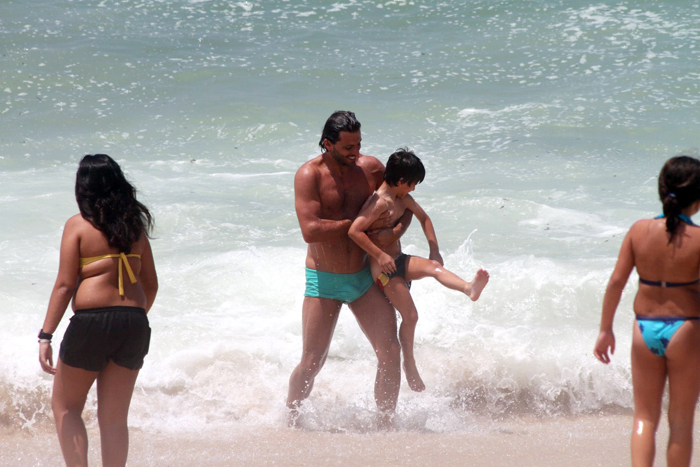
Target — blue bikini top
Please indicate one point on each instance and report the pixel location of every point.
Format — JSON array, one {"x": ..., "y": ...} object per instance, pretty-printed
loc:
[
  {"x": 682, "y": 217},
  {"x": 688, "y": 221}
]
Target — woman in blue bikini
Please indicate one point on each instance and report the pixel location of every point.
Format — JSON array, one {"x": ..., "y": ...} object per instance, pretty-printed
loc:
[
  {"x": 106, "y": 269},
  {"x": 666, "y": 337}
]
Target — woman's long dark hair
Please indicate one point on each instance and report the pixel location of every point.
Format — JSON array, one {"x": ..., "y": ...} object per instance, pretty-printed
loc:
[
  {"x": 679, "y": 187},
  {"x": 108, "y": 201}
]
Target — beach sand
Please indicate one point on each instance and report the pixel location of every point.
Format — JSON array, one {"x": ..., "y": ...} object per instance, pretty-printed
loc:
[{"x": 572, "y": 441}]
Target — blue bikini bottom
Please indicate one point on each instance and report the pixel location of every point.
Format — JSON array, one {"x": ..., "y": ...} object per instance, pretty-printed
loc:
[{"x": 658, "y": 331}]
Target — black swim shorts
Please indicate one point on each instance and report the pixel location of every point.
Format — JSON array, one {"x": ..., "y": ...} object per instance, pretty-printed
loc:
[{"x": 97, "y": 335}]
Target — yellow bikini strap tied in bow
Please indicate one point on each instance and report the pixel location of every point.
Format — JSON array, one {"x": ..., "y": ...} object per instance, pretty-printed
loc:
[{"x": 132, "y": 277}]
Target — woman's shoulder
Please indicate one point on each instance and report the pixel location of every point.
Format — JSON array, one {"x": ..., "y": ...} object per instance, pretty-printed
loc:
[
  {"x": 642, "y": 223},
  {"x": 77, "y": 222}
]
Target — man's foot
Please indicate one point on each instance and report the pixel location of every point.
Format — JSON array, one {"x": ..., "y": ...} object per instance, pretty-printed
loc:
[
  {"x": 414, "y": 380},
  {"x": 481, "y": 278}
]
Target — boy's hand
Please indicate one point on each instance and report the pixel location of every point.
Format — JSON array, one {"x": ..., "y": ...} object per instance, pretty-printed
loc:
[
  {"x": 386, "y": 263},
  {"x": 436, "y": 256}
]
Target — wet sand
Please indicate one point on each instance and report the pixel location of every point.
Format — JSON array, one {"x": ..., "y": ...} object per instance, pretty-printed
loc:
[{"x": 574, "y": 441}]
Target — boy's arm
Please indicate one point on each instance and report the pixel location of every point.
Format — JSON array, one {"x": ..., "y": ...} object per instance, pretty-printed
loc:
[
  {"x": 427, "y": 226},
  {"x": 369, "y": 213}
]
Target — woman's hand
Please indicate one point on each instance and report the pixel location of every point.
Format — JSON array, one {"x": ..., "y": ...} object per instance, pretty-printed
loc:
[
  {"x": 46, "y": 357},
  {"x": 605, "y": 342}
]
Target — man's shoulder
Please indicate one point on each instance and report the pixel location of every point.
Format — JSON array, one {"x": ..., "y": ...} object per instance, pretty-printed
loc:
[
  {"x": 370, "y": 162},
  {"x": 310, "y": 168}
]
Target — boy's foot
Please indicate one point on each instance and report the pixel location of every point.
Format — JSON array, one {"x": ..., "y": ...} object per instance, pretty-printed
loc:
[
  {"x": 385, "y": 420},
  {"x": 414, "y": 380},
  {"x": 481, "y": 278},
  {"x": 293, "y": 417}
]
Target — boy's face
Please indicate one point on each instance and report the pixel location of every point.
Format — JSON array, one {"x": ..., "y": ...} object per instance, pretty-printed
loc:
[{"x": 404, "y": 189}]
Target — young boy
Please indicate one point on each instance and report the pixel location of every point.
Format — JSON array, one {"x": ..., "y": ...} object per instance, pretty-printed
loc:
[{"x": 393, "y": 270}]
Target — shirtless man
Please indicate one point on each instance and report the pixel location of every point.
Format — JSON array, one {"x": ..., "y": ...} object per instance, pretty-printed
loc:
[{"x": 329, "y": 191}]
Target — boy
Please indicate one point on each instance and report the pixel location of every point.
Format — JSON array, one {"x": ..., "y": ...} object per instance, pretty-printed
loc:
[{"x": 393, "y": 270}]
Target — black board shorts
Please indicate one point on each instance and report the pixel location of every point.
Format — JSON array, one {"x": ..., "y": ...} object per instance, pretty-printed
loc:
[{"x": 97, "y": 335}]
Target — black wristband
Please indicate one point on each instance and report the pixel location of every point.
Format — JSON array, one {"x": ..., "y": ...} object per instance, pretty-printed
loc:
[{"x": 45, "y": 335}]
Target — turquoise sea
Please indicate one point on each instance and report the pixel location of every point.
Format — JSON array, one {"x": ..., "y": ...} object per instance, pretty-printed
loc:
[{"x": 542, "y": 124}]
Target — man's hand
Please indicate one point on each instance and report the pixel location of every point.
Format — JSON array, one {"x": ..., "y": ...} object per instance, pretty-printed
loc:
[{"x": 381, "y": 237}]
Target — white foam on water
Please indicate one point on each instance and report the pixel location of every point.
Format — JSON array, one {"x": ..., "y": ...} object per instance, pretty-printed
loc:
[{"x": 212, "y": 108}]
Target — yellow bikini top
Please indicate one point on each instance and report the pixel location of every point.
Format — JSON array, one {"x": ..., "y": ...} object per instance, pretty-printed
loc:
[{"x": 122, "y": 261}]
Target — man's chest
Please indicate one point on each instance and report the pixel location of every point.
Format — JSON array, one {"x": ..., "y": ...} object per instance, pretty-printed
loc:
[{"x": 344, "y": 196}]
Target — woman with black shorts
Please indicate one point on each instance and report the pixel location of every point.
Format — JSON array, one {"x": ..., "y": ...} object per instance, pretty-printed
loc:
[{"x": 106, "y": 267}]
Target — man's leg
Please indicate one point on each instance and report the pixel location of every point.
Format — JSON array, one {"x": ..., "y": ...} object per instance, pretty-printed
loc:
[
  {"x": 319, "y": 317},
  {"x": 377, "y": 320}
]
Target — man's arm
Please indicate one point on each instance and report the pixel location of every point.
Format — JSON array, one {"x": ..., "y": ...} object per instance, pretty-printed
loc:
[
  {"x": 307, "y": 202},
  {"x": 385, "y": 235},
  {"x": 369, "y": 213},
  {"x": 427, "y": 226}
]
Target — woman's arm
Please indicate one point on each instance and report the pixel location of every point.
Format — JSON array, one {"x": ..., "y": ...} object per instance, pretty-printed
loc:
[
  {"x": 613, "y": 293},
  {"x": 148, "y": 276},
  {"x": 63, "y": 289}
]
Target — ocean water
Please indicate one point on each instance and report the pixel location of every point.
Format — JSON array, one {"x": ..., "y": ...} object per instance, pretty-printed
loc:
[{"x": 542, "y": 125}]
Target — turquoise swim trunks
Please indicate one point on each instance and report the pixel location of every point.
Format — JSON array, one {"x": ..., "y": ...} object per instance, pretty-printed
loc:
[{"x": 344, "y": 287}]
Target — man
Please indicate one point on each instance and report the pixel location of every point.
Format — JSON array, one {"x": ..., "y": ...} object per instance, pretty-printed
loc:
[{"x": 329, "y": 191}]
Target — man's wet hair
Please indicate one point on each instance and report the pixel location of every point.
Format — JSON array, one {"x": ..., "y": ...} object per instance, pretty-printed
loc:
[
  {"x": 340, "y": 120},
  {"x": 404, "y": 166}
]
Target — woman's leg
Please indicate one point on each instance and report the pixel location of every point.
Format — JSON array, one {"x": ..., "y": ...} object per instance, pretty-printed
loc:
[
  {"x": 115, "y": 385},
  {"x": 400, "y": 297},
  {"x": 648, "y": 380},
  {"x": 418, "y": 268},
  {"x": 70, "y": 390},
  {"x": 683, "y": 361}
]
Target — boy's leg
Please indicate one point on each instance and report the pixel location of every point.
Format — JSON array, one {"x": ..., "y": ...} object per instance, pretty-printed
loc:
[
  {"x": 418, "y": 268},
  {"x": 400, "y": 297}
]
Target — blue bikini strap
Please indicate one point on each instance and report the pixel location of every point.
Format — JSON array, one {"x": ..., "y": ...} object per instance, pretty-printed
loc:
[{"x": 682, "y": 217}]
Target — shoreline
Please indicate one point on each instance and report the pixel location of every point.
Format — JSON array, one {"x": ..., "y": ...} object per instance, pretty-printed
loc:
[{"x": 590, "y": 440}]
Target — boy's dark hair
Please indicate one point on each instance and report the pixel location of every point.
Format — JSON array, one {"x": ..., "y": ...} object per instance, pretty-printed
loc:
[
  {"x": 341, "y": 120},
  {"x": 679, "y": 187},
  {"x": 403, "y": 166}
]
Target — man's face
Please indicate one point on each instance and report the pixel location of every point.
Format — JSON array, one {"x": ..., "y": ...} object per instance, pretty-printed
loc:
[{"x": 347, "y": 149}]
